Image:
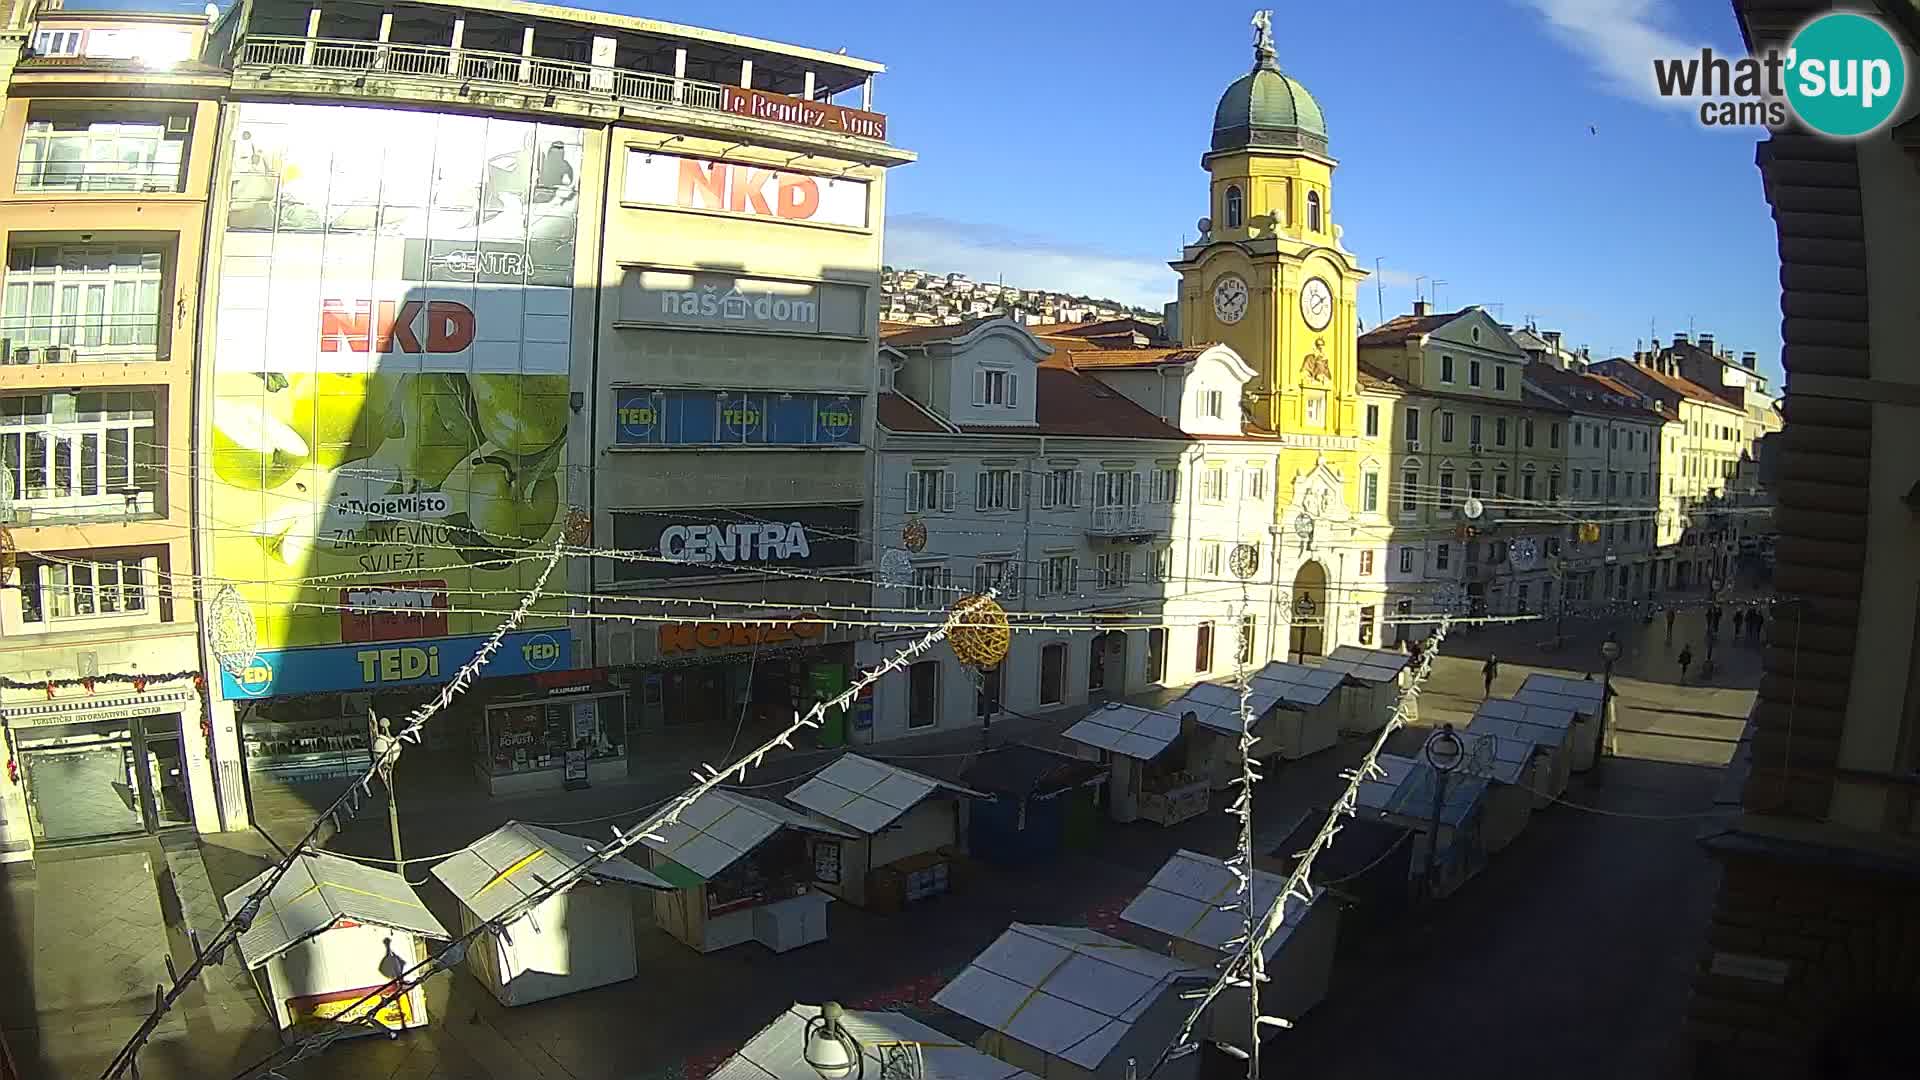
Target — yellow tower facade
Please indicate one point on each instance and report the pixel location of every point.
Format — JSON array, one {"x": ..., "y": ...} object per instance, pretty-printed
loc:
[{"x": 1269, "y": 278}]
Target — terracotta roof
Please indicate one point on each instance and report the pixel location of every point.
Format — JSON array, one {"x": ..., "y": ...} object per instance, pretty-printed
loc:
[
  {"x": 1588, "y": 393},
  {"x": 1401, "y": 327},
  {"x": 1065, "y": 356},
  {"x": 1383, "y": 380},
  {"x": 1686, "y": 388},
  {"x": 1069, "y": 403},
  {"x": 921, "y": 335},
  {"x": 896, "y": 413},
  {"x": 1533, "y": 399}
]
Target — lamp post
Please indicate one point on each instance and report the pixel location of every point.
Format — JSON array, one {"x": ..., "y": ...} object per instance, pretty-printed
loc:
[
  {"x": 1444, "y": 751},
  {"x": 1609, "y": 652},
  {"x": 1302, "y": 610}
]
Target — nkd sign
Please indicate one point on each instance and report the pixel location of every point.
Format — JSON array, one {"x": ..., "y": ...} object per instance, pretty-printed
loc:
[
  {"x": 395, "y": 326},
  {"x": 750, "y": 190},
  {"x": 700, "y": 543}
]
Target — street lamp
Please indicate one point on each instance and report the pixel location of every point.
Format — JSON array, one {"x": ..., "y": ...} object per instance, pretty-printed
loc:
[
  {"x": 1302, "y": 610},
  {"x": 1609, "y": 652},
  {"x": 829, "y": 1047},
  {"x": 1444, "y": 751}
]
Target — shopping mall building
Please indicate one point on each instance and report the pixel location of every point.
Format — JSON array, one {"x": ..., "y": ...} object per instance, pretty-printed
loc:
[{"x": 476, "y": 277}]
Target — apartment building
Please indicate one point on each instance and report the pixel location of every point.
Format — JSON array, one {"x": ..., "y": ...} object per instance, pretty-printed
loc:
[
  {"x": 107, "y": 143},
  {"x": 1466, "y": 427},
  {"x": 1808, "y": 968},
  {"x": 1702, "y": 446},
  {"x": 486, "y": 274}
]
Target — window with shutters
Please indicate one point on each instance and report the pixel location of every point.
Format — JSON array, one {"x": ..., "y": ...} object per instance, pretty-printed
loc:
[
  {"x": 1446, "y": 427},
  {"x": 1213, "y": 404},
  {"x": 1526, "y": 486},
  {"x": 1256, "y": 483},
  {"x": 1210, "y": 558},
  {"x": 932, "y": 585},
  {"x": 1442, "y": 555},
  {"x": 1316, "y": 408},
  {"x": 1446, "y": 369},
  {"x": 1370, "y": 491},
  {"x": 1473, "y": 373},
  {"x": 1213, "y": 484},
  {"x": 1116, "y": 569},
  {"x": 1576, "y": 435},
  {"x": 104, "y": 586},
  {"x": 1366, "y": 562},
  {"x": 1373, "y": 421},
  {"x": 994, "y": 386},
  {"x": 997, "y": 572},
  {"x": 1446, "y": 487},
  {"x": 1499, "y": 431},
  {"x": 1115, "y": 488},
  {"x": 998, "y": 489},
  {"x": 929, "y": 490},
  {"x": 1499, "y": 377},
  {"x": 1166, "y": 485},
  {"x": 1413, "y": 426},
  {"x": 1406, "y": 560},
  {"x": 1060, "y": 488},
  {"x": 1473, "y": 430},
  {"x": 1203, "y": 649},
  {"x": 1500, "y": 484},
  {"x": 1576, "y": 477},
  {"x": 1409, "y": 480},
  {"x": 1161, "y": 568},
  {"x": 1553, "y": 488},
  {"x": 1059, "y": 576},
  {"x": 1476, "y": 483}
]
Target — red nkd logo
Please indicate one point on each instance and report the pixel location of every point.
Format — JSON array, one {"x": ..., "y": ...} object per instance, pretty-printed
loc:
[{"x": 394, "y": 326}]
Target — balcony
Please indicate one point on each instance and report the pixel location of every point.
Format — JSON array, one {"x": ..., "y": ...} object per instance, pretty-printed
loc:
[
  {"x": 475, "y": 68},
  {"x": 1113, "y": 522},
  {"x": 99, "y": 177},
  {"x": 95, "y": 340}
]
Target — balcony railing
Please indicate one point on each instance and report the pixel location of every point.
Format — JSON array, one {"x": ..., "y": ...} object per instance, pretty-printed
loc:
[
  {"x": 80, "y": 339},
  {"x": 1116, "y": 521},
  {"x": 444, "y": 63},
  {"x": 99, "y": 177}
]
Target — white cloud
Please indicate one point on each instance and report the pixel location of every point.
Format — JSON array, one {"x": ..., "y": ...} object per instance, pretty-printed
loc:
[
  {"x": 993, "y": 253},
  {"x": 1619, "y": 39}
]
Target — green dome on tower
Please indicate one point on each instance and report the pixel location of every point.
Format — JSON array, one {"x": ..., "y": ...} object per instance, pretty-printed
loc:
[{"x": 1267, "y": 109}]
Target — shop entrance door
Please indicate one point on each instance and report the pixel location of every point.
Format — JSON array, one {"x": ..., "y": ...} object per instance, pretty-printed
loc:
[{"x": 103, "y": 779}]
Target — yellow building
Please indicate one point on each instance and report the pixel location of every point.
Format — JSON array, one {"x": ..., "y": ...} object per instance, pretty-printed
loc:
[
  {"x": 1269, "y": 278},
  {"x": 107, "y": 143}
]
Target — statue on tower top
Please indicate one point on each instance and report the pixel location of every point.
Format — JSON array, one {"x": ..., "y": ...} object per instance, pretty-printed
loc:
[{"x": 1263, "y": 55}]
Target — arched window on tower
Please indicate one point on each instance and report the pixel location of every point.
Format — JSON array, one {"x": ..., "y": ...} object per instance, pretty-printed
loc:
[
  {"x": 1313, "y": 211},
  {"x": 1236, "y": 207}
]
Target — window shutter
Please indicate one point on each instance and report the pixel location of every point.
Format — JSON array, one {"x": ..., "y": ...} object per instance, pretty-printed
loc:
[
  {"x": 1073, "y": 575},
  {"x": 979, "y": 387},
  {"x": 1013, "y": 390},
  {"x": 1133, "y": 494},
  {"x": 1016, "y": 487},
  {"x": 946, "y": 490},
  {"x": 946, "y": 582},
  {"x": 1079, "y": 485},
  {"x": 913, "y": 492},
  {"x": 980, "y": 490}
]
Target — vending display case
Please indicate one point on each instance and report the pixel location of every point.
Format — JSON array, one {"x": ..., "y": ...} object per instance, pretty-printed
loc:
[{"x": 523, "y": 744}]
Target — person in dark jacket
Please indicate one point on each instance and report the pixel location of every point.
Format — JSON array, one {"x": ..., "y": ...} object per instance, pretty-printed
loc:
[
  {"x": 1489, "y": 671},
  {"x": 1755, "y": 623},
  {"x": 1686, "y": 661}
]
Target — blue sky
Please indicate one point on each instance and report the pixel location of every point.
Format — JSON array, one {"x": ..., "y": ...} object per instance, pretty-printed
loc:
[{"x": 1512, "y": 148}]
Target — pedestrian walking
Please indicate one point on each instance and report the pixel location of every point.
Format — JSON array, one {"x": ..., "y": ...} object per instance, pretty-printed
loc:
[
  {"x": 1686, "y": 661},
  {"x": 1755, "y": 623},
  {"x": 1670, "y": 614},
  {"x": 1739, "y": 622},
  {"x": 1489, "y": 671}
]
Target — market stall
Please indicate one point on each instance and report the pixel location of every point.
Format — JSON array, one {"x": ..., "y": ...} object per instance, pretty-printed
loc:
[
  {"x": 1406, "y": 797},
  {"x": 1147, "y": 752},
  {"x": 890, "y": 1046},
  {"x": 1188, "y": 901},
  {"x": 1294, "y": 716},
  {"x": 1515, "y": 769},
  {"x": 908, "y": 826},
  {"x": 742, "y": 870},
  {"x": 1548, "y": 727},
  {"x": 1068, "y": 1003},
  {"x": 1586, "y": 699},
  {"x": 1040, "y": 804},
  {"x": 330, "y": 932},
  {"x": 1371, "y": 860},
  {"x": 574, "y": 940},
  {"x": 1371, "y": 688}
]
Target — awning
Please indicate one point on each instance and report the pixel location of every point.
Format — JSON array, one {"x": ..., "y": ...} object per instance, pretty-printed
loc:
[{"x": 78, "y": 709}]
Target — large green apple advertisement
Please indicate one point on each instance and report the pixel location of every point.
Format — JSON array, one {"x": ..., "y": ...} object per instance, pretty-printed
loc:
[{"x": 387, "y": 436}]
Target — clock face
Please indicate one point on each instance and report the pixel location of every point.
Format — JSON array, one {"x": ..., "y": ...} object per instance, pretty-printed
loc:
[
  {"x": 1316, "y": 303},
  {"x": 1230, "y": 299}
]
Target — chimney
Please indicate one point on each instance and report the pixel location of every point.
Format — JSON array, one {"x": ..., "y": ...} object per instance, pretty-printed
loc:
[
  {"x": 1749, "y": 360},
  {"x": 1420, "y": 308},
  {"x": 1706, "y": 342},
  {"x": 1679, "y": 340},
  {"x": 1553, "y": 339}
]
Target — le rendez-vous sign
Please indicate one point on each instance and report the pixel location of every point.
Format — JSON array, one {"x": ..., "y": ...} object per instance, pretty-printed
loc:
[{"x": 824, "y": 115}]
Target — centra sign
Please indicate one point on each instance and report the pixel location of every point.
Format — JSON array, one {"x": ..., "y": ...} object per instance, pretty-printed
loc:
[{"x": 748, "y": 542}]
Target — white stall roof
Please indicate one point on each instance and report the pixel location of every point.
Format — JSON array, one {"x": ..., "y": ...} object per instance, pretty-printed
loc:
[
  {"x": 317, "y": 892},
  {"x": 721, "y": 826},
  {"x": 510, "y": 863},
  {"x": 1298, "y": 686},
  {"x": 1502, "y": 758},
  {"x": 1367, "y": 665},
  {"x": 1184, "y": 900},
  {"x": 1415, "y": 798},
  {"x": 1574, "y": 695},
  {"x": 1376, "y": 793},
  {"x": 777, "y": 1053},
  {"x": 866, "y": 794},
  {"x": 1068, "y": 992},
  {"x": 1216, "y": 706},
  {"x": 1127, "y": 730},
  {"x": 1553, "y": 715}
]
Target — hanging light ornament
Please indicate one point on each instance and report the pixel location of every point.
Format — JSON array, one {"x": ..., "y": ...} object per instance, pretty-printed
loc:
[
  {"x": 914, "y": 535},
  {"x": 1245, "y": 561},
  {"x": 231, "y": 631},
  {"x": 980, "y": 635},
  {"x": 896, "y": 568},
  {"x": 579, "y": 532}
]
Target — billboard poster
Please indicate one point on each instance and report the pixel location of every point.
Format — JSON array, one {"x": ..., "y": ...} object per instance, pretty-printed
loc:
[{"x": 387, "y": 436}]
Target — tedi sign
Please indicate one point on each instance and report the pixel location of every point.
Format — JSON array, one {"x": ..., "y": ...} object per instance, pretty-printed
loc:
[{"x": 750, "y": 542}]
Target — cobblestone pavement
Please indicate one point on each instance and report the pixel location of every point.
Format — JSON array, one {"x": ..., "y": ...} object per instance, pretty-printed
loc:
[{"x": 1568, "y": 956}]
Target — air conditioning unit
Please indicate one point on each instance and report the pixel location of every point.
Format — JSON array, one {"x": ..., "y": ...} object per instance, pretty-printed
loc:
[{"x": 59, "y": 354}]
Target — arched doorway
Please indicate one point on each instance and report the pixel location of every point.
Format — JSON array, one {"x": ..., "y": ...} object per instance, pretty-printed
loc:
[
  {"x": 1107, "y": 666},
  {"x": 1309, "y": 611}
]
